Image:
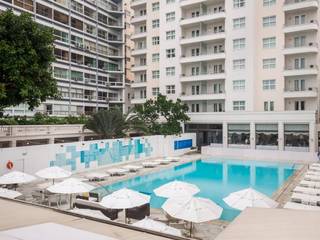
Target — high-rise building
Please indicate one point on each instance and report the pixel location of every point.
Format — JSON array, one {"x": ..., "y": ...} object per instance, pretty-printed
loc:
[
  {"x": 89, "y": 52},
  {"x": 248, "y": 70}
]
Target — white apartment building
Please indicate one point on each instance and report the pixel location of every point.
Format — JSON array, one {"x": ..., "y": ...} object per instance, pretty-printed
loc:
[
  {"x": 248, "y": 70},
  {"x": 89, "y": 51}
]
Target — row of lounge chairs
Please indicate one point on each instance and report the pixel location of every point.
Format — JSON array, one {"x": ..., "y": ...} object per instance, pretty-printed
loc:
[
  {"x": 101, "y": 176},
  {"x": 306, "y": 196}
]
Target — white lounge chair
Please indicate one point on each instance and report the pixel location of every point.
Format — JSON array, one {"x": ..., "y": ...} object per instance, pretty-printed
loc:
[
  {"x": 316, "y": 173},
  {"x": 309, "y": 184},
  {"x": 173, "y": 159},
  {"x": 311, "y": 177},
  {"x": 97, "y": 176},
  {"x": 306, "y": 190},
  {"x": 163, "y": 161},
  {"x": 315, "y": 165},
  {"x": 300, "y": 206},
  {"x": 117, "y": 171},
  {"x": 305, "y": 199},
  {"x": 91, "y": 213},
  {"x": 150, "y": 164},
  {"x": 133, "y": 168}
]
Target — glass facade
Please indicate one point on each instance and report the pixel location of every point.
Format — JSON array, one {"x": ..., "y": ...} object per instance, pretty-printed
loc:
[
  {"x": 296, "y": 135},
  {"x": 239, "y": 134},
  {"x": 267, "y": 134}
]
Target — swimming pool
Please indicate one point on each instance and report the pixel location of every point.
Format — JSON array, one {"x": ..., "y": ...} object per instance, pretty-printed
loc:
[{"x": 216, "y": 178}]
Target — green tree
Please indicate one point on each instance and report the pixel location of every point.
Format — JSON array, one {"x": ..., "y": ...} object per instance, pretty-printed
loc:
[
  {"x": 26, "y": 54},
  {"x": 163, "y": 116},
  {"x": 112, "y": 123}
]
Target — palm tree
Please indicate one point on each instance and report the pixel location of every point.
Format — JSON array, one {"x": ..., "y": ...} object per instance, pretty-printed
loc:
[{"x": 112, "y": 123}]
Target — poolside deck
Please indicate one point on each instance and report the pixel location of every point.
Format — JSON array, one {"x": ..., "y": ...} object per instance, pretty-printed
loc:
[
  {"x": 275, "y": 224},
  {"x": 17, "y": 214}
]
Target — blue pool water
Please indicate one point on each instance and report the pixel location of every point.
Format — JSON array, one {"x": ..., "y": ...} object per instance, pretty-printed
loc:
[{"x": 215, "y": 178}]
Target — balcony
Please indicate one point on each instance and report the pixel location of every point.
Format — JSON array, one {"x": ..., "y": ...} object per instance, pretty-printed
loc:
[
  {"x": 138, "y": 100},
  {"x": 139, "y": 35},
  {"x": 115, "y": 84},
  {"x": 311, "y": 25},
  {"x": 138, "y": 19},
  {"x": 309, "y": 70},
  {"x": 207, "y": 17},
  {"x": 204, "y": 37},
  {"x": 293, "y": 5},
  {"x": 187, "y": 3},
  {"x": 138, "y": 3},
  {"x": 137, "y": 68},
  {"x": 139, "y": 51},
  {"x": 203, "y": 57},
  {"x": 138, "y": 84},
  {"x": 311, "y": 47},
  {"x": 203, "y": 96},
  {"x": 203, "y": 77},
  {"x": 115, "y": 100},
  {"x": 311, "y": 92}
]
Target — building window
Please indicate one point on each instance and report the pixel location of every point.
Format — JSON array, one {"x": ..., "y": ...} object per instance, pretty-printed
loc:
[
  {"x": 239, "y": 43},
  {"x": 155, "y": 40},
  {"x": 155, "y": 57},
  {"x": 155, "y": 6},
  {"x": 170, "y": 35},
  {"x": 296, "y": 135},
  {"x": 269, "y": 63},
  {"x": 195, "y": 107},
  {"x": 170, "y": 89},
  {"x": 268, "y": 3},
  {"x": 269, "y": 84},
  {"x": 269, "y": 21},
  {"x": 267, "y": 134},
  {"x": 268, "y": 106},
  {"x": 170, "y": 17},
  {"x": 239, "y": 85},
  {"x": 239, "y": 64},
  {"x": 239, "y": 3},
  {"x": 155, "y": 91},
  {"x": 239, "y": 23},
  {"x": 156, "y": 74},
  {"x": 299, "y": 105},
  {"x": 155, "y": 23},
  {"x": 239, "y": 134},
  {"x": 269, "y": 42},
  {"x": 239, "y": 105},
  {"x": 171, "y": 53},
  {"x": 170, "y": 71},
  {"x": 170, "y": 1}
]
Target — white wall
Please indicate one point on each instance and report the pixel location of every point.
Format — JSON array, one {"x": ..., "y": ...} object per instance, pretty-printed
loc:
[{"x": 33, "y": 158}]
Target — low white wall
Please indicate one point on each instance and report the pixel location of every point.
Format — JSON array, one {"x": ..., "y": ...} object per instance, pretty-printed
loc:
[
  {"x": 259, "y": 154},
  {"x": 81, "y": 156}
]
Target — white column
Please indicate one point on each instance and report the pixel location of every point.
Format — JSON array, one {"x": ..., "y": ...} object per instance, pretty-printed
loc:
[
  {"x": 252, "y": 135},
  {"x": 281, "y": 136},
  {"x": 280, "y": 175},
  {"x": 252, "y": 175},
  {"x": 225, "y": 173},
  {"x": 51, "y": 140},
  {"x": 225, "y": 134},
  {"x": 312, "y": 137}
]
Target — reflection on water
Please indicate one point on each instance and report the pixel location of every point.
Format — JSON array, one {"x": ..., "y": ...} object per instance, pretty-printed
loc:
[{"x": 215, "y": 178}]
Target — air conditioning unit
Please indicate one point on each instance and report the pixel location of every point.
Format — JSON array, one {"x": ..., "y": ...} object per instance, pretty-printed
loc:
[
  {"x": 311, "y": 66},
  {"x": 310, "y": 44}
]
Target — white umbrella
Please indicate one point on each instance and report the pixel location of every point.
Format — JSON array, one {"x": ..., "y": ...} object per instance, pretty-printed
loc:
[
  {"x": 124, "y": 198},
  {"x": 16, "y": 177},
  {"x": 176, "y": 189},
  {"x": 249, "y": 198},
  {"x": 70, "y": 186},
  {"x": 193, "y": 209},
  {"x": 153, "y": 225},
  {"x": 53, "y": 173},
  {"x": 6, "y": 193}
]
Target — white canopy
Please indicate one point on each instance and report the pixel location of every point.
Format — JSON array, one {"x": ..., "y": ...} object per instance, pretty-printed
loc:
[
  {"x": 150, "y": 224},
  {"x": 6, "y": 193},
  {"x": 124, "y": 198},
  {"x": 193, "y": 209},
  {"x": 249, "y": 198},
  {"x": 53, "y": 173},
  {"x": 70, "y": 186},
  {"x": 16, "y": 177},
  {"x": 176, "y": 189}
]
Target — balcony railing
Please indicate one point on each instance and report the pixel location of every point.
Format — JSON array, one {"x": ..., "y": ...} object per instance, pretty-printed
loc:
[
  {"x": 203, "y": 54},
  {"x": 203, "y": 73},
  {"x": 204, "y": 14},
  {"x": 204, "y": 34},
  {"x": 309, "y": 67},
  {"x": 309, "y": 44},
  {"x": 292, "y": 24},
  {"x": 309, "y": 89},
  {"x": 288, "y": 2}
]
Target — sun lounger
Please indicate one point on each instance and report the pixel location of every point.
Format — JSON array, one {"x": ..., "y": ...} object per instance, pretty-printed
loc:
[
  {"x": 173, "y": 159},
  {"x": 117, "y": 171},
  {"x": 316, "y": 173},
  {"x": 312, "y": 177},
  {"x": 133, "y": 168},
  {"x": 90, "y": 213},
  {"x": 306, "y": 190},
  {"x": 309, "y": 184},
  {"x": 316, "y": 169},
  {"x": 305, "y": 199},
  {"x": 97, "y": 176},
  {"x": 163, "y": 161},
  {"x": 315, "y": 165},
  {"x": 300, "y": 206},
  {"x": 150, "y": 164},
  {"x": 138, "y": 213}
]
